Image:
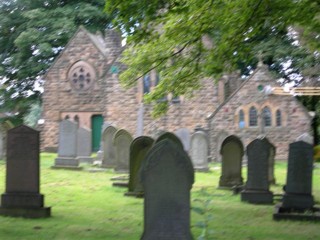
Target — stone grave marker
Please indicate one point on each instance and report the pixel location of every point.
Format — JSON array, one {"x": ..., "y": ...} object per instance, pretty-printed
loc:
[
  {"x": 172, "y": 137},
  {"x": 305, "y": 137},
  {"x": 67, "y": 146},
  {"x": 22, "y": 196},
  {"x": 138, "y": 150},
  {"x": 199, "y": 151},
  {"x": 231, "y": 160},
  {"x": 298, "y": 189},
  {"x": 84, "y": 145},
  {"x": 121, "y": 141},
  {"x": 167, "y": 176},
  {"x": 184, "y": 135},
  {"x": 256, "y": 189},
  {"x": 109, "y": 153}
]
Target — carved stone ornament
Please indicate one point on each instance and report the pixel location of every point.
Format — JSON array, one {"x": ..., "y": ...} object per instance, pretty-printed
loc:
[{"x": 81, "y": 76}]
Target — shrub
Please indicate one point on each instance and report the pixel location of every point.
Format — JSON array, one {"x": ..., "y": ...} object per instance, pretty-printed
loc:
[{"x": 316, "y": 155}]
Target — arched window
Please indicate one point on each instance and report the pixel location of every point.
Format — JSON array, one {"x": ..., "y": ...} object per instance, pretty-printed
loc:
[
  {"x": 253, "y": 117},
  {"x": 241, "y": 119},
  {"x": 146, "y": 84},
  {"x": 278, "y": 118},
  {"x": 266, "y": 113}
]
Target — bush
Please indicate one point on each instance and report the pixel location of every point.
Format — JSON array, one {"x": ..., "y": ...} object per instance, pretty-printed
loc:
[{"x": 316, "y": 155}]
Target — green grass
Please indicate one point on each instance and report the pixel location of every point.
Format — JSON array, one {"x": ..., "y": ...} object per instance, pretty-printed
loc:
[{"x": 86, "y": 206}]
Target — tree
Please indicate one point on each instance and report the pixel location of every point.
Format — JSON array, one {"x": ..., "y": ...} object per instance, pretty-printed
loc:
[
  {"x": 32, "y": 34},
  {"x": 171, "y": 37}
]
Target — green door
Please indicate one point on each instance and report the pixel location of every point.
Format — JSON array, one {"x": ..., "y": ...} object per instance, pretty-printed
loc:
[{"x": 96, "y": 123}]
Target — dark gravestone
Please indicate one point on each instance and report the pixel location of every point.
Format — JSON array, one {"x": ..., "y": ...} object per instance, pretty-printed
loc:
[
  {"x": 22, "y": 197},
  {"x": 167, "y": 176},
  {"x": 67, "y": 146},
  {"x": 84, "y": 145},
  {"x": 231, "y": 160},
  {"x": 199, "y": 151},
  {"x": 298, "y": 190},
  {"x": 138, "y": 150},
  {"x": 109, "y": 153},
  {"x": 298, "y": 201},
  {"x": 257, "y": 186},
  {"x": 172, "y": 137},
  {"x": 121, "y": 141}
]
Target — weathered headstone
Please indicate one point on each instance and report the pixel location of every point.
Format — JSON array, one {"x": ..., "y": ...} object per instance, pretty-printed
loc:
[
  {"x": 84, "y": 145},
  {"x": 138, "y": 150},
  {"x": 184, "y": 135},
  {"x": 67, "y": 146},
  {"x": 167, "y": 176},
  {"x": 231, "y": 154},
  {"x": 22, "y": 197},
  {"x": 299, "y": 178},
  {"x": 298, "y": 190},
  {"x": 172, "y": 137},
  {"x": 199, "y": 151},
  {"x": 121, "y": 141},
  {"x": 109, "y": 154},
  {"x": 257, "y": 186}
]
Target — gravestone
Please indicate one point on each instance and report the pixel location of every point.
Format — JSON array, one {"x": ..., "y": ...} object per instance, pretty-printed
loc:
[
  {"x": 298, "y": 201},
  {"x": 67, "y": 146},
  {"x": 138, "y": 150},
  {"x": 172, "y": 137},
  {"x": 121, "y": 141},
  {"x": 299, "y": 178},
  {"x": 184, "y": 135},
  {"x": 22, "y": 196},
  {"x": 199, "y": 151},
  {"x": 84, "y": 145},
  {"x": 271, "y": 177},
  {"x": 231, "y": 160},
  {"x": 256, "y": 189},
  {"x": 167, "y": 176},
  {"x": 109, "y": 154}
]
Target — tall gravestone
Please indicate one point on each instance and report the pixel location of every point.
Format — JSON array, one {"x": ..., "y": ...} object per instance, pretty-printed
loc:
[
  {"x": 138, "y": 151},
  {"x": 231, "y": 160},
  {"x": 84, "y": 136},
  {"x": 298, "y": 190},
  {"x": 257, "y": 186},
  {"x": 199, "y": 151},
  {"x": 184, "y": 135},
  {"x": 122, "y": 141},
  {"x": 172, "y": 137},
  {"x": 67, "y": 146},
  {"x": 22, "y": 196},
  {"x": 109, "y": 153},
  {"x": 167, "y": 176}
]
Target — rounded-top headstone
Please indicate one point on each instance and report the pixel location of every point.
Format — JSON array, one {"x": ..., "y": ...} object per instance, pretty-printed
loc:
[{"x": 172, "y": 137}]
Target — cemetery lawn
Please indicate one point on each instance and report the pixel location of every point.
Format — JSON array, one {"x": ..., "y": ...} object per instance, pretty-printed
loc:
[{"x": 86, "y": 206}]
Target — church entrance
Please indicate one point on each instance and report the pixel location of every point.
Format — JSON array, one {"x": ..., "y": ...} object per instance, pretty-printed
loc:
[{"x": 96, "y": 126}]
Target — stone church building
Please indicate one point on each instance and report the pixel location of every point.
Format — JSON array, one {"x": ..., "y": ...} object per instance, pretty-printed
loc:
[{"x": 82, "y": 85}]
